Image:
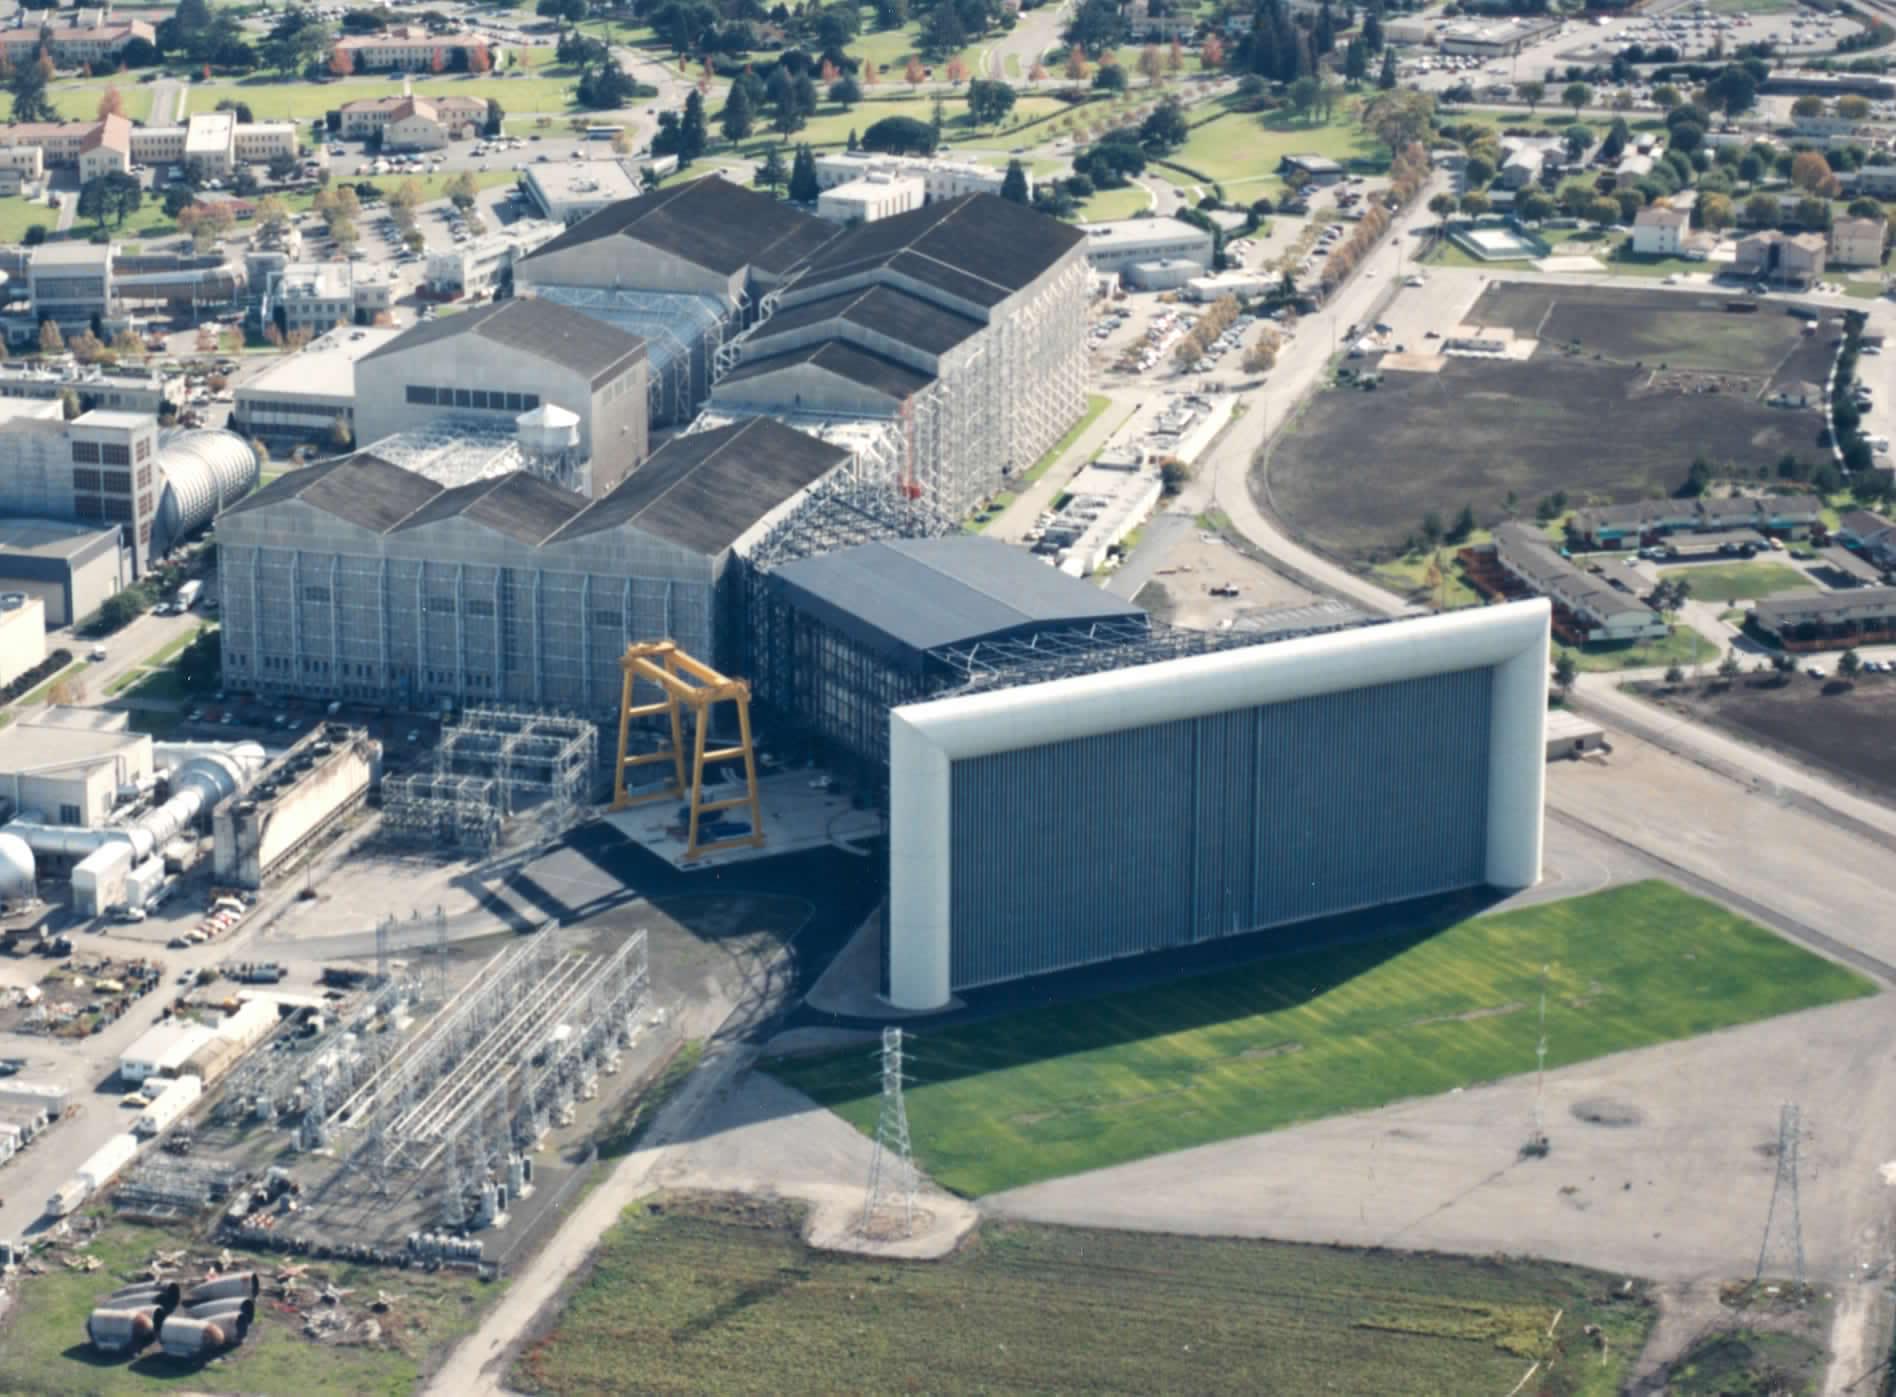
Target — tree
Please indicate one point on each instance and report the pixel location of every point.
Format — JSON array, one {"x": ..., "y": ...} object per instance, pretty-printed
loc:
[
  {"x": 1211, "y": 54},
  {"x": 127, "y": 345},
  {"x": 1674, "y": 676},
  {"x": 1151, "y": 63},
  {"x": 50, "y": 340},
  {"x": 1811, "y": 172},
  {"x": 1399, "y": 119},
  {"x": 845, "y": 92},
  {"x": 1096, "y": 26},
  {"x": 989, "y": 102},
  {"x": 1356, "y": 62},
  {"x": 1531, "y": 92},
  {"x": 1109, "y": 76},
  {"x": 1565, "y": 671},
  {"x": 1165, "y": 129},
  {"x": 691, "y": 132},
  {"x": 1014, "y": 186},
  {"x": 1302, "y": 96},
  {"x": 110, "y": 196},
  {"x": 1715, "y": 212},
  {"x": 1729, "y": 667},
  {"x": 1577, "y": 95},
  {"x": 1603, "y": 211},
  {"x": 899, "y": 135},
  {"x": 803, "y": 183},
  {"x": 111, "y": 103},
  {"x": 737, "y": 119},
  {"x": 28, "y": 86},
  {"x": 1849, "y": 664},
  {"x": 1733, "y": 89},
  {"x": 341, "y": 62},
  {"x": 1076, "y": 65},
  {"x": 1761, "y": 210},
  {"x": 1576, "y": 138},
  {"x": 1853, "y": 108},
  {"x": 478, "y": 60},
  {"x": 913, "y": 71},
  {"x": 1698, "y": 479},
  {"x": 1474, "y": 204},
  {"x": 1442, "y": 205},
  {"x": 1386, "y": 79},
  {"x": 771, "y": 174},
  {"x": 461, "y": 191}
]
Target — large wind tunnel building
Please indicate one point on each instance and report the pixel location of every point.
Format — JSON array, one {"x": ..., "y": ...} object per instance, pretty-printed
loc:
[{"x": 1142, "y": 808}]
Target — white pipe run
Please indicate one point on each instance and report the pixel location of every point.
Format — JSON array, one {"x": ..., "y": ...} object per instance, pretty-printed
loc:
[{"x": 202, "y": 774}]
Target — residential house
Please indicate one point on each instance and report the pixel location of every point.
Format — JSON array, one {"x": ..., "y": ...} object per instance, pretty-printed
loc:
[
  {"x": 1584, "y": 604},
  {"x": 1659, "y": 231},
  {"x": 422, "y": 123},
  {"x": 1857, "y": 242},
  {"x": 1869, "y": 534}
]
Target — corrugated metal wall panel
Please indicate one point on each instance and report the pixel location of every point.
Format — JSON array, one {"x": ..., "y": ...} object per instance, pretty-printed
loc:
[{"x": 1108, "y": 846}]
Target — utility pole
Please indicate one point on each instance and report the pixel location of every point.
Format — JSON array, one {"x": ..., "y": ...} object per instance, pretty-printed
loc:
[
  {"x": 1537, "y": 1145},
  {"x": 891, "y": 1168}
]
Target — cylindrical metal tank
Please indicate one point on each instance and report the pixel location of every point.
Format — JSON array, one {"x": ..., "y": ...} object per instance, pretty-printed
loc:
[
  {"x": 17, "y": 867},
  {"x": 241, "y": 1284},
  {"x": 164, "y": 1296},
  {"x": 117, "y": 1330},
  {"x": 191, "y": 1338}
]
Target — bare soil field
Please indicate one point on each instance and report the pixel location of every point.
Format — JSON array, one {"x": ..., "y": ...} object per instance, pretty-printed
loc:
[
  {"x": 1359, "y": 470},
  {"x": 1843, "y": 731}
]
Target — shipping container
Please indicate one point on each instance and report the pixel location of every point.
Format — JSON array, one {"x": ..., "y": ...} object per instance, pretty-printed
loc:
[
  {"x": 107, "y": 1160},
  {"x": 69, "y": 1196}
]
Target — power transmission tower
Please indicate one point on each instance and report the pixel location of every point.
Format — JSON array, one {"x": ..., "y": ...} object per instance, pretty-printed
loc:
[
  {"x": 1785, "y": 1214},
  {"x": 1537, "y": 1146},
  {"x": 891, "y": 1168}
]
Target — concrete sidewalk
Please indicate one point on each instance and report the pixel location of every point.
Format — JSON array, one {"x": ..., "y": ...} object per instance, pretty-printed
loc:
[{"x": 1019, "y": 516}]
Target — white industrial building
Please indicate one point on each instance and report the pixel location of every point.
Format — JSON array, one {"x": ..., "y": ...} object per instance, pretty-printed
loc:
[
  {"x": 301, "y": 397},
  {"x": 1263, "y": 776},
  {"x": 484, "y": 264},
  {"x": 70, "y": 568},
  {"x": 163, "y": 1050},
  {"x": 941, "y": 177},
  {"x": 872, "y": 197},
  {"x": 567, "y": 191},
  {"x": 1118, "y": 248},
  {"x": 317, "y": 296},
  {"x": 22, "y": 634}
]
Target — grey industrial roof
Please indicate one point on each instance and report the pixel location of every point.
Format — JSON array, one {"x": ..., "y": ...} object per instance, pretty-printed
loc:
[
  {"x": 846, "y": 360},
  {"x": 884, "y": 310},
  {"x": 976, "y": 247},
  {"x": 710, "y": 223},
  {"x": 521, "y": 506},
  {"x": 910, "y": 596},
  {"x": 363, "y": 490},
  {"x": 51, "y": 538},
  {"x": 1847, "y": 563},
  {"x": 1859, "y": 603},
  {"x": 1863, "y": 523},
  {"x": 704, "y": 489},
  {"x": 543, "y": 329}
]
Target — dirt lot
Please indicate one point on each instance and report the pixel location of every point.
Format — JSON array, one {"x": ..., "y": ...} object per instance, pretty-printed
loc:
[
  {"x": 1360, "y": 469},
  {"x": 1845, "y": 732},
  {"x": 1654, "y": 327},
  {"x": 1180, "y": 592}
]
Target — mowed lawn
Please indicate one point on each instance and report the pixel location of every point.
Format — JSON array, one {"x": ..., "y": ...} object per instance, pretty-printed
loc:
[
  {"x": 1014, "y": 1100},
  {"x": 1739, "y": 581},
  {"x": 79, "y": 100},
  {"x": 707, "y": 1294},
  {"x": 1238, "y": 148}
]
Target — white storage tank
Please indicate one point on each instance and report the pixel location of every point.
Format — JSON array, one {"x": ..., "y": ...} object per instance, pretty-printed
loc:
[
  {"x": 177, "y": 1098},
  {"x": 107, "y": 1160},
  {"x": 17, "y": 868},
  {"x": 251, "y": 1024}
]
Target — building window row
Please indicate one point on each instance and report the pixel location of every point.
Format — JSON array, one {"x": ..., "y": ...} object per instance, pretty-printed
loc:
[
  {"x": 425, "y": 395},
  {"x": 326, "y": 411},
  {"x": 114, "y": 453}
]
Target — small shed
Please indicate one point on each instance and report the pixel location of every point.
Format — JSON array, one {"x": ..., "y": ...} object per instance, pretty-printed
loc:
[{"x": 1570, "y": 735}]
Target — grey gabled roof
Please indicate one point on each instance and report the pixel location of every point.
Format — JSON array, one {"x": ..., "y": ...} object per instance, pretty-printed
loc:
[
  {"x": 909, "y": 596},
  {"x": 977, "y": 248},
  {"x": 703, "y": 490},
  {"x": 843, "y": 359},
  {"x": 518, "y": 505},
  {"x": 709, "y": 223},
  {"x": 363, "y": 490},
  {"x": 884, "y": 310},
  {"x": 555, "y": 333}
]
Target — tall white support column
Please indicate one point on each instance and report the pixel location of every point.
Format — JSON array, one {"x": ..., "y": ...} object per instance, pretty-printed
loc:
[
  {"x": 1517, "y": 766},
  {"x": 918, "y": 869}
]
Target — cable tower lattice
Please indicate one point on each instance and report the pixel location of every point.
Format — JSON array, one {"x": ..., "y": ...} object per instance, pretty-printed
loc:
[
  {"x": 892, "y": 1167},
  {"x": 1784, "y": 1221}
]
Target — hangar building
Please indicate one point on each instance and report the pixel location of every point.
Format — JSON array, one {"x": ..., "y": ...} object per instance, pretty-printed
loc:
[
  {"x": 684, "y": 269},
  {"x": 482, "y": 370},
  {"x": 358, "y": 579}
]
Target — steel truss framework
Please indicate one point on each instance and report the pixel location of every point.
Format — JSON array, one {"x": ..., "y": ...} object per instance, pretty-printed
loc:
[
  {"x": 684, "y": 333},
  {"x": 491, "y": 765},
  {"x": 485, "y": 1076}
]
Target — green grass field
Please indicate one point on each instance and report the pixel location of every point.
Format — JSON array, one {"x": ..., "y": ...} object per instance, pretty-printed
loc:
[
  {"x": 1739, "y": 581},
  {"x": 1109, "y": 204},
  {"x": 41, "y": 1341},
  {"x": 17, "y": 215},
  {"x": 1011, "y": 1101},
  {"x": 1239, "y": 149},
  {"x": 1682, "y": 646},
  {"x": 832, "y": 124},
  {"x": 694, "y": 1294},
  {"x": 78, "y": 99}
]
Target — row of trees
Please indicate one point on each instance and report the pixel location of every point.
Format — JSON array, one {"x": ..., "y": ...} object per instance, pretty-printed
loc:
[
  {"x": 1219, "y": 316},
  {"x": 1408, "y": 172}
]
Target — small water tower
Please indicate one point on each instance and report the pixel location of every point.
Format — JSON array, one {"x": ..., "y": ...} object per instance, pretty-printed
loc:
[{"x": 549, "y": 439}]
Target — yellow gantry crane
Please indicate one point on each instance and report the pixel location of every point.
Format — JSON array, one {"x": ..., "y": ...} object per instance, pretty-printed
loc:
[{"x": 687, "y": 684}]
